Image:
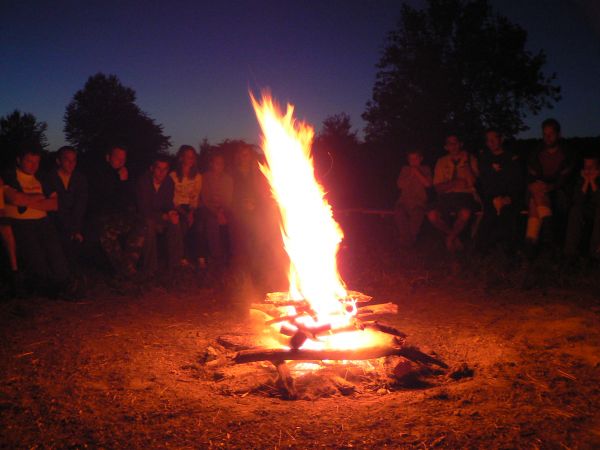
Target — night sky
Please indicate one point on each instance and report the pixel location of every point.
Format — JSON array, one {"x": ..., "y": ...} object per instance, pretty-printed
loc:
[{"x": 191, "y": 63}]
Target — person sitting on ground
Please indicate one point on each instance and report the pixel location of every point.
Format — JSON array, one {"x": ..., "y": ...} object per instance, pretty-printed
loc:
[
  {"x": 188, "y": 185},
  {"x": 8, "y": 239},
  {"x": 154, "y": 198},
  {"x": 72, "y": 189},
  {"x": 216, "y": 198},
  {"x": 585, "y": 210},
  {"x": 454, "y": 181},
  {"x": 413, "y": 183},
  {"x": 502, "y": 188},
  {"x": 113, "y": 214},
  {"x": 27, "y": 204},
  {"x": 549, "y": 171}
]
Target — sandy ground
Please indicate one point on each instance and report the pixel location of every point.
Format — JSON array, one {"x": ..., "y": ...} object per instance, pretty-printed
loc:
[{"x": 126, "y": 371}]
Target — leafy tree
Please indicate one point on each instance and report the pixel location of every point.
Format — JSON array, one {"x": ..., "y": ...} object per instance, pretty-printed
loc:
[
  {"x": 335, "y": 151},
  {"x": 104, "y": 113},
  {"x": 455, "y": 65},
  {"x": 15, "y": 129}
]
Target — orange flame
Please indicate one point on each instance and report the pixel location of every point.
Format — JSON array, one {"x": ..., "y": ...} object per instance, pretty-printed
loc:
[{"x": 311, "y": 236}]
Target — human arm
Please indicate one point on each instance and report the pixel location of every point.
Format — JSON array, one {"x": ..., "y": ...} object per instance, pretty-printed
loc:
[{"x": 423, "y": 174}]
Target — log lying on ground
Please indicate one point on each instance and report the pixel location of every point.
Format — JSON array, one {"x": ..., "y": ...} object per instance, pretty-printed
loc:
[
  {"x": 382, "y": 308},
  {"x": 383, "y": 328},
  {"x": 275, "y": 355},
  {"x": 278, "y": 355}
]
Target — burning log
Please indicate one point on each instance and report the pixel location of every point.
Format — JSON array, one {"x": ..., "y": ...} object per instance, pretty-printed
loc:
[
  {"x": 277, "y": 355},
  {"x": 285, "y": 381},
  {"x": 384, "y": 329},
  {"x": 383, "y": 308}
]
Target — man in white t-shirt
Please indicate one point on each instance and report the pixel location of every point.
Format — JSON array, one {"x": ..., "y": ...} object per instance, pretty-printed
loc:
[{"x": 27, "y": 206}]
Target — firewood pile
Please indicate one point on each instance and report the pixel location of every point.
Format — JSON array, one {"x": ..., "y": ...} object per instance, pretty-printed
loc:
[{"x": 292, "y": 333}]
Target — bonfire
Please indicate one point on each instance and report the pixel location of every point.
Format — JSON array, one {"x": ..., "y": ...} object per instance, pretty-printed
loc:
[{"x": 318, "y": 318}]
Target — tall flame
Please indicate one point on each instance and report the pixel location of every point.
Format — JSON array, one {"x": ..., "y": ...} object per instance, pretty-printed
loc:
[{"x": 311, "y": 236}]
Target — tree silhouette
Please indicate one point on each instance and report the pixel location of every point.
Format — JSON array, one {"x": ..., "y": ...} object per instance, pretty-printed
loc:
[
  {"x": 15, "y": 129},
  {"x": 455, "y": 65},
  {"x": 104, "y": 113},
  {"x": 336, "y": 151}
]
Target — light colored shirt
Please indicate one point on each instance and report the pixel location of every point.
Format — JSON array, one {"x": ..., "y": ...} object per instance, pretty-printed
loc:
[
  {"x": 30, "y": 185},
  {"x": 447, "y": 169},
  {"x": 187, "y": 190}
]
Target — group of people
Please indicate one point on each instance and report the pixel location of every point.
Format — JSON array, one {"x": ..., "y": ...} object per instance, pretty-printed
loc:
[
  {"x": 493, "y": 192},
  {"x": 171, "y": 216}
]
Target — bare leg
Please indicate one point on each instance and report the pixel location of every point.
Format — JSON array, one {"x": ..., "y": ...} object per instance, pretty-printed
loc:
[
  {"x": 462, "y": 218},
  {"x": 436, "y": 220}
]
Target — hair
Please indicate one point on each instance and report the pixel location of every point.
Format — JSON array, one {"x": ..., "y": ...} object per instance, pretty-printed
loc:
[
  {"x": 215, "y": 155},
  {"x": 494, "y": 130},
  {"x": 553, "y": 123},
  {"x": 29, "y": 147},
  {"x": 112, "y": 147},
  {"x": 161, "y": 158},
  {"x": 415, "y": 151},
  {"x": 64, "y": 149},
  {"x": 179, "y": 162},
  {"x": 453, "y": 134}
]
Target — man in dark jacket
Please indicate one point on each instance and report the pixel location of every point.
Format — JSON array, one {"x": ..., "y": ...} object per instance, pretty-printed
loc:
[
  {"x": 113, "y": 215},
  {"x": 502, "y": 187},
  {"x": 72, "y": 190},
  {"x": 154, "y": 197}
]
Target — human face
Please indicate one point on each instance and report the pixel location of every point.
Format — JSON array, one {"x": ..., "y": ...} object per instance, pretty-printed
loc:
[
  {"x": 160, "y": 170},
  {"x": 414, "y": 159},
  {"x": 453, "y": 145},
  {"x": 67, "y": 162},
  {"x": 188, "y": 159},
  {"x": 550, "y": 136},
  {"x": 493, "y": 141},
  {"x": 117, "y": 158},
  {"x": 29, "y": 163},
  {"x": 217, "y": 165}
]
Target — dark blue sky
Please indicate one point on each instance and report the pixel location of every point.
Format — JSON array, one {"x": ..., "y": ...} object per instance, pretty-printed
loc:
[{"x": 192, "y": 62}]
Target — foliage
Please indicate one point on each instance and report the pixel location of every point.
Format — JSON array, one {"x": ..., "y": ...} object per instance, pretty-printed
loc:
[
  {"x": 455, "y": 66},
  {"x": 105, "y": 113},
  {"x": 227, "y": 148},
  {"x": 15, "y": 129},
  {"x": 336, "y": 152}
]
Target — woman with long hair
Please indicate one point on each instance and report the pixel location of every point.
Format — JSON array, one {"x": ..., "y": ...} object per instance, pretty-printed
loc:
[{"x": 188, "y": 184}]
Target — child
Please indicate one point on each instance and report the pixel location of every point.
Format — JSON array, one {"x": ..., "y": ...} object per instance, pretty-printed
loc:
[{"x": 413, "y": 182}]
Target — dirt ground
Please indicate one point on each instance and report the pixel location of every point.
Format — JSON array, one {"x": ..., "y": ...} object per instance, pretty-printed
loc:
[{"x": 122, "y": 370}]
